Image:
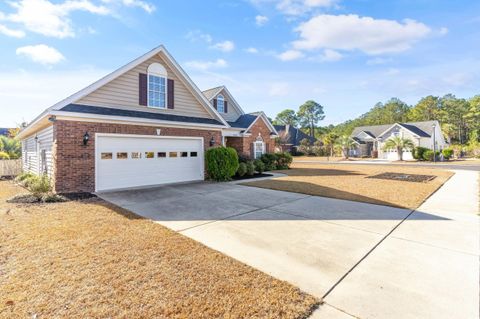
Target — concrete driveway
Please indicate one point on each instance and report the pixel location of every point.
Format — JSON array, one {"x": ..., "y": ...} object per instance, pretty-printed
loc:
[{"x": 343, "y": 251}]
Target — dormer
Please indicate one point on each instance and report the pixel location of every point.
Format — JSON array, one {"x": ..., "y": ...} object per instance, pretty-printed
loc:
[{"x": 224, "y": 103}]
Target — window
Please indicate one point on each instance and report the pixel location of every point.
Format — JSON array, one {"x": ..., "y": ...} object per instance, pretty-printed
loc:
[
  {"x": 172, "y": 154},
  {"x": 149, "y": 154},
  {"x": 157, "y": 86},
  {"x": 258, "y": 149},
  {"x": 136, "y": 155},
  {"x": 161, "y": 154},
  {"x": 122, "y": 155},
  {"x": 107, "y": 156},
  {"x": 220, "y": 103},
  {"x": 193, "y": 154},
  {"x": 183, "y": 154}
]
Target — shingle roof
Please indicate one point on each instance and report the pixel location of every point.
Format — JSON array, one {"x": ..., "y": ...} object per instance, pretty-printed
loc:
[
  {"x": 295, "y": 135},
  {"x": 4, "y": 131},
  {"x": 244, "y": 121},
  {"x": 77, "y": 108},
  {"x": 210, "y": 93},
  {"x": 422, "y": 129}
]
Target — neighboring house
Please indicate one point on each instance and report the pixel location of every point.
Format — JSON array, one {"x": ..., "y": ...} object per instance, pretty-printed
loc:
[
  {"x": 290, "y": 138},
  {"x": 144, "y": 124},
  {"x": 370, "y": 140},
  {"x": 4, "y": 131}
]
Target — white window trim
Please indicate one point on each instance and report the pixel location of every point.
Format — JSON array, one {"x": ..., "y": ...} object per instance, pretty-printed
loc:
[
  {"x": 148, "y": 92},
  {"x": 255, "y": 149},
  {"x": 223, "y": 103}
]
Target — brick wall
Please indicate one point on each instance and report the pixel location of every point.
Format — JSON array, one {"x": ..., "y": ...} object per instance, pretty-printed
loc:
[
  {"x": 243, "y": 145},
  {"x": 74, "y": 169}
]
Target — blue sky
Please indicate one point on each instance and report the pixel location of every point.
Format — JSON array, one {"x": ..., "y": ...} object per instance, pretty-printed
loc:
[{"x": 272, "y": 54}]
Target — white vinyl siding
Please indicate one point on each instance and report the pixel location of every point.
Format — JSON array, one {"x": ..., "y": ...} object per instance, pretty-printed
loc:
[
  {"x": 32, "y": 152},
  {"x": 122, "y": 92}
]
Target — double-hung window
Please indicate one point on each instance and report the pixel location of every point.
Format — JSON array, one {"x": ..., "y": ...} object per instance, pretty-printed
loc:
[
  {"x": 157, "y": 88},
  {"x": 259, "y": 149},
  {"x": 220, "y": 103}
]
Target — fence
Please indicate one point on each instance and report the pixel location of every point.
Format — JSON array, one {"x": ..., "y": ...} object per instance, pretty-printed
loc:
[{"x": 10, "y": 167}]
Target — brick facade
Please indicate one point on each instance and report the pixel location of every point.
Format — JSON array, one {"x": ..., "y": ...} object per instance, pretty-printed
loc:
[
  {"x": 74, "y": 169},
  {"x": 243, "y": 145}
]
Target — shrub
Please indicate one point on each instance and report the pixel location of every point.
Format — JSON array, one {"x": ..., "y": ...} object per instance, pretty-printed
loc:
[
  {"x": 418, "y": 152},
  {"x": 428, "y": 155},
  {"x": 40, "y": 186},
  {"x": 242, "y": 169},
  {"x": 270, "y": 161},
  {"x": 4, "y": 156},
  {"x": 26, "y": 178},
  {"x": 259, "y": 166},
  {"x": 447, "y": 153},
  {"x": 221, "y": 162},
  {"x": 250, "y": 168},
  {"x": 284, "y": 160}
]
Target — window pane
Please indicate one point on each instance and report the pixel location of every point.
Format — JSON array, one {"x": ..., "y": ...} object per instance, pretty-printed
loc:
[
  {"x": 172, "y": 154},
  {"x": 184, "y": 154},
  {"x": 136, "y": 155},
  {"x": 149, "y": 154},
  {"x": 107, "y": 156},
  {"x": 193, "y": 154},
  {"x": 161, "y": 154},
  {"x": 122, "y": 155}
]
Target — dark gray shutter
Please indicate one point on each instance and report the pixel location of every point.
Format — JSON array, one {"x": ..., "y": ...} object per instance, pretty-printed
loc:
[
  {"x": 142, "y": 89},
  {"x": 215, "y": 103},
  {"x": 252, "y": 150},
  {"x": 170, "y": 93},
  {"x": 225, "y": 109}
]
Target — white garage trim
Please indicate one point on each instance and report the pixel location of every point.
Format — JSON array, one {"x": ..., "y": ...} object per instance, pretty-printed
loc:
[{"x": 98, "y": 137}]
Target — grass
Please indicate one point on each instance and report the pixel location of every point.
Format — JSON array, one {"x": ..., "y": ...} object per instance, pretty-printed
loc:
[
  {"x": 353, "y": 182},
  {"x": 90, "y": 259}
]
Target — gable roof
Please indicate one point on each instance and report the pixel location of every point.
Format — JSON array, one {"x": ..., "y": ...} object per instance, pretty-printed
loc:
[
  {"x": 295, "y": 135},
  {"x": 246, "y": 121},
  {"x": 210, "y": 94},
  {"x": 115, "y": 74},
  {"x": 422, "y": 129}
]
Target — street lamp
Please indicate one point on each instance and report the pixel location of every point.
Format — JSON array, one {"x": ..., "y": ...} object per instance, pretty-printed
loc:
[{"x": 434, "y": 125}]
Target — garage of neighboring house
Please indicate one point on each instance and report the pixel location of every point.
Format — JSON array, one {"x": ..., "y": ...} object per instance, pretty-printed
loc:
[{"x": 125, "y": 161}]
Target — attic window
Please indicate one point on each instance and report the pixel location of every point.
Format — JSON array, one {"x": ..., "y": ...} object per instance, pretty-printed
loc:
[
  {"x": 157, "y": 85},
  {"x": 220, "y": 103}
]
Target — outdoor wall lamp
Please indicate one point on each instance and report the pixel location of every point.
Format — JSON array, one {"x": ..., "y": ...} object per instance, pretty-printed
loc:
[
  {"x": 86, "y": 138},
  {"x": 212, "y": 141}
]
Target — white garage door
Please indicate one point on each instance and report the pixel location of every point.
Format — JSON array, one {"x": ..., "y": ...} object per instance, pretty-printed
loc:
[{"x": 124, "y": 161}]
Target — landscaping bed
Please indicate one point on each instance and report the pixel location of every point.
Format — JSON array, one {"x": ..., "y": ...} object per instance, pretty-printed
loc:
[
  {"x": 354, "y": 182},
  {"x": 88, "y": 258},
  {"x": 244, "y": 177},
  {"x": 415, "y": 178}
]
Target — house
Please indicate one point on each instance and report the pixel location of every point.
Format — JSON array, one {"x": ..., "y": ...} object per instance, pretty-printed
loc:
[
  {"x": 144, "y": 124},
  {"x": 370, "y": 140},
  {"x": 4, "y": 131},
  {"x": 290, "y": 138}
]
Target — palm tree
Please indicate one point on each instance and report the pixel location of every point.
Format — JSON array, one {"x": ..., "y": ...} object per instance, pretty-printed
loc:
[
  {"x": 345, "y": 143},
  {"x": 400, "y": 144}
]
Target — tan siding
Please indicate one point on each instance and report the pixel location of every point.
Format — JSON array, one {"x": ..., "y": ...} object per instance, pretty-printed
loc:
[
  {"x": 123, "y": 93},
  {"x": 232, "y": 112}
]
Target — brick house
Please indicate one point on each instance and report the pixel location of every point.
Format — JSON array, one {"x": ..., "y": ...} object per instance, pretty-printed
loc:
[{"x": 144, "y": 124}]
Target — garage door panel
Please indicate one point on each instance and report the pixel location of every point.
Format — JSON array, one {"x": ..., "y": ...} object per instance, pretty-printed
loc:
[{"x": 114, "y": 172}]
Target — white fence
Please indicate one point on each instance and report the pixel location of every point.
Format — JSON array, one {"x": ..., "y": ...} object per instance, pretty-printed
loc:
[{"x": 10, "y": 167}]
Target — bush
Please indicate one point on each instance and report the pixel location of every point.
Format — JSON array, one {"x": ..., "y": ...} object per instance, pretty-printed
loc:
[
  {"x": 250, "y": 168},
  {"x": 26, "y": 178},
  {"x": 270, "y": 161},
  {"x": 428, "y": 155},
  {"x": 242, "y": 169},
  {"x": 418, "y": 152},
  {"x": 447, "y": 153},
  {"x": 259, "y": 166},
  {"x": 221, "y": 163},
  {"x": 4, "y": 156},
  {"x": 40, "y": 186},
  {"x": 284, "y": 160}
]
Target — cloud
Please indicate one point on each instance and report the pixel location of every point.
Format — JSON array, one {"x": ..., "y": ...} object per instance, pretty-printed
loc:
[
  {"x": 251, "y": 50},
  {"x": 299, "y": 7},
  {"x": 290, "y": 55},
  {"x": 41, "y": 53},
  {"x": 147, "y": 7},
  {"x": 199, "y": 36},
  {"x": 206, "y": 65},
  {"x": 225, "y": 46},
  {"x": 392, "y": 71},
  {"x": 261, "y": 20},
  {"x": 329, "y": 55},
  {"x": 279, "y": 89},
  {"x": 11, "y": 33},
  {"x": 351, "y": 32}
]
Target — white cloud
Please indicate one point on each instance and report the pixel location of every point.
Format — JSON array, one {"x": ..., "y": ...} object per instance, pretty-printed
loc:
[
  {"x": 251, "y": 50},
  {"x": 279, "y": 89},
  {"x": 290, "y": 55},
  {"x": 11, "y": 33},
  {"x": 147, "y": 7},
  {"x": 41, "y": 53},
  {"x": 392, "y": 71},
  {"x": 225, "y": 46},
  {"x": 206, "y": 65},
  {"x": 351, "y": 32},
  {"x": 197, "y": 35},
  {"x": 261, "y": 20},
  {"x": 330, "y": 56},
  {"x": 299, "y": 7}
]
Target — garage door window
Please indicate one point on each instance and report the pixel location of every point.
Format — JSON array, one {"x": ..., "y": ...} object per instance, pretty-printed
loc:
[
  {"x": 173, "y": 154},
  {"x": 161, "y": 154},
  {"x": 149, "y": 154},
  {"x": 193, "y": 154},
  {"x": 122, "y": 155},
  {"x": 136, "y": 155},
  {"x": 107, "y": 156},
  {"x": 184, "y": 154}
]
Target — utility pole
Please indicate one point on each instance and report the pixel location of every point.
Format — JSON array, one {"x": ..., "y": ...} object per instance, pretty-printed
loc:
[{"x": 434, "y": 146}]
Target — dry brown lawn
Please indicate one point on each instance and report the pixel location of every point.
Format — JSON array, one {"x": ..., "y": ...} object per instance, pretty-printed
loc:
[
  {"x": 351, "y": 182},
  {"x": 88, "y": 259}
]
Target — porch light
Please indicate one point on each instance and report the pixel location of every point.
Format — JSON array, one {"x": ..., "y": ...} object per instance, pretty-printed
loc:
[
  {"x": 212, "y": 141},
  {"x": 86, "y": 138}
]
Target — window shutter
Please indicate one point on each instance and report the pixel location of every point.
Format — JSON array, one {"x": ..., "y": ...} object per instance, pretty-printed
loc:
[
  {"x": 170, "y": 93},
  {"x": 225, "y": 108},
  {"x": 142, "y": 89},
  {"x": 215, "y": 103},
  {"x": 252, "y": 150},
  {"x": 267, "y": 148}
]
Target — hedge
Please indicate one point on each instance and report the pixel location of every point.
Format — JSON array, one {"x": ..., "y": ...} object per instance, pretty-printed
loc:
[{"x": 221, "y": 163}]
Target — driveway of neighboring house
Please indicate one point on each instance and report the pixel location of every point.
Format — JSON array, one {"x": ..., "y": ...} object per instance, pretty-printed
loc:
[{"x": 366, "y": 261}]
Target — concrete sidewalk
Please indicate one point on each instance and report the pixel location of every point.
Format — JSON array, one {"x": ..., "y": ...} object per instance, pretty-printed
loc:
[{"x": 424, "y": 268}]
